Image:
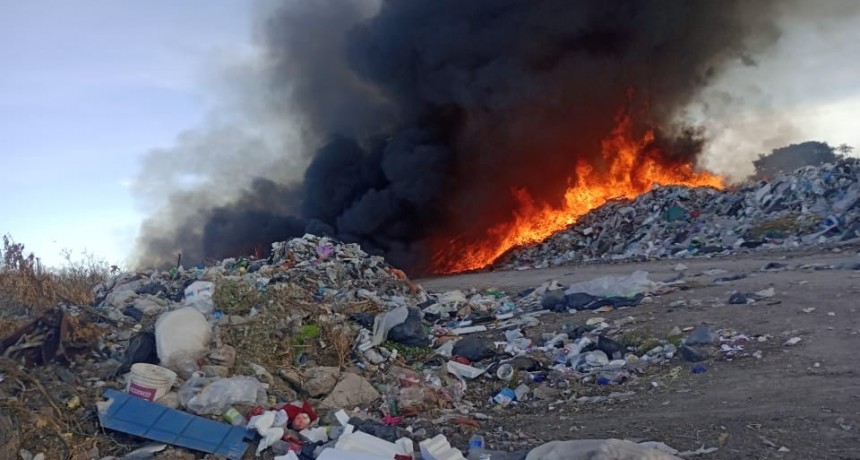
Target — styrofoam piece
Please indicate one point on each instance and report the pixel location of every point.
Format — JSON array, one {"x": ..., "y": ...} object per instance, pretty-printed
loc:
[
  {"x": 438, "y": 448},
  {"x": 363, "y": 443},
  {"x": 464, "y": 371},
  {"x": 342, "y": 417},
  {"x": 406, "y": 445},
  {"x": 468, "y": 330},
  {"x": 334, "y": 453},
  {"x": 318, "y": 434}
]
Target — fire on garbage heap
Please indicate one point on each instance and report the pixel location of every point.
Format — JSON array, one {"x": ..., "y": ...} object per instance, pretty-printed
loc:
[{"x": 627, "y": 168}]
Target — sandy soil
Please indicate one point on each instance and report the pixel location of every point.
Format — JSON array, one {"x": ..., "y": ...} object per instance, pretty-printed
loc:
[{"x": 799, "y": 402}]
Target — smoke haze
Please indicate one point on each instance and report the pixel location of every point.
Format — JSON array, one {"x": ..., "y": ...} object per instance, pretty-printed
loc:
[{"x": 390, "y": 124}]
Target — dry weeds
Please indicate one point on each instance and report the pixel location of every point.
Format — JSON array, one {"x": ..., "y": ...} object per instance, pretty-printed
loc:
[{"x": 26, "y": 286}]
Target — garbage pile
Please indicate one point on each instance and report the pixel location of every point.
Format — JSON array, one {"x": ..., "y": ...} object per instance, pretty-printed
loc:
[
  {"x": 812, "y": 205},
  {"x": 324, "y": 352}
]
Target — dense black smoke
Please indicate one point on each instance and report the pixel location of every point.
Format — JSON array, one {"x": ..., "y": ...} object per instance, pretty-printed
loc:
[{"x": 427, "y": 113}]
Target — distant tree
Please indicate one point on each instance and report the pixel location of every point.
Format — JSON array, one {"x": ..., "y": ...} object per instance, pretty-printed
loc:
[
  {"x": 791, "y": 157},
  {"x": 845, "y": 149}
]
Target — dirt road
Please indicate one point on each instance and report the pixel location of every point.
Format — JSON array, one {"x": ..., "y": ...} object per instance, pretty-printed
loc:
[{"x": 796, "y": 402}]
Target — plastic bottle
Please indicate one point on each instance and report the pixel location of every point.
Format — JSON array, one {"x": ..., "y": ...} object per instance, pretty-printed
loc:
[
  {"x": 234, "y": 417},
  {"x": 476, "y": 442}
]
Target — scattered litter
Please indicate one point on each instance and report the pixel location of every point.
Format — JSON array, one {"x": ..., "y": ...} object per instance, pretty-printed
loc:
[{"x": 792, "y": 341}]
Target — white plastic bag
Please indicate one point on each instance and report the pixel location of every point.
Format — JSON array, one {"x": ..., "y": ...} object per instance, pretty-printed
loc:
[
  {"x": 214, "y": 396},
  {"x": 615, "y": 286},
  {"x": 199, "y": 296},
  {"x": 596, "y": 449},
  {"x": 181, "y": 338}
]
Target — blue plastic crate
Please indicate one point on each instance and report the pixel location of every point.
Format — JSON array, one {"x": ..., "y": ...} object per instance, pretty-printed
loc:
[{"x": 140, "y": 417}]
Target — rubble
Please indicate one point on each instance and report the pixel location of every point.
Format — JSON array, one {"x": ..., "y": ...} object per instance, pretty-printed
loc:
[{"x": 810, "y": 206}]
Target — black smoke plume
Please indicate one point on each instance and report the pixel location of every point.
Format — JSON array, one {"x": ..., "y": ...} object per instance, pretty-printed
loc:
[{"x": 421, "y": 116}]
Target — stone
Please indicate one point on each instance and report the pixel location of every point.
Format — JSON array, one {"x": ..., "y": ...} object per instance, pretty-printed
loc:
[
  {"x": 351, "y": 391},
  {"x": 224, "y": 355},
  {"x": 291, "y": 377},
  {"x": 320, "y": 381}
]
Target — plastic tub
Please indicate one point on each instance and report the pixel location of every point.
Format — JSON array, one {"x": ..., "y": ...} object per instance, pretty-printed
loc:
[{"x": 149, "y": 382}]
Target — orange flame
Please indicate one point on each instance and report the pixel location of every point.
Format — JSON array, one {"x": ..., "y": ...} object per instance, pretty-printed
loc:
[{"x": 631, "y": 169}]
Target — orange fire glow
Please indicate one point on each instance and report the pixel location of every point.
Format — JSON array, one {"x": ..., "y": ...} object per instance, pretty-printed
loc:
[{"x": 628, "y": 172}]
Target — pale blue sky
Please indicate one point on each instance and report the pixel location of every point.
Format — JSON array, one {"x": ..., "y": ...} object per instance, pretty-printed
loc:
[{"x": 87, "y": 87}]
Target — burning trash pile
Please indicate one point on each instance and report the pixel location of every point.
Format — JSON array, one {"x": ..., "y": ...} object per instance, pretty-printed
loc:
[
  {"x": 324, "y": 352},
  {"x": 812, "y": 205}
]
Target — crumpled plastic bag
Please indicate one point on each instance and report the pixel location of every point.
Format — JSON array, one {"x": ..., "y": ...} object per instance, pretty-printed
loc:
[
  {"x": 181, "y": 338},
  {"x": 597, "y": 449},
  {"x": 615, "y": 286},
  {"x": 199, "y": 296},
  {"x": 386, "y": 321},
  {"x": 205, "y": 396}
]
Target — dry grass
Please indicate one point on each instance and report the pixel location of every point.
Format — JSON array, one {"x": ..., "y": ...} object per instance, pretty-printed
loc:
[
  {"x": 25, "y": 284},
  {"x": 338, "y": 339}
]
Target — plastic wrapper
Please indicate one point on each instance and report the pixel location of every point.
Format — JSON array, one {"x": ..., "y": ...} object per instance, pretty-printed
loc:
[
  {"x": 615, "y": 286},
  {"x": 205, "y": 396}
]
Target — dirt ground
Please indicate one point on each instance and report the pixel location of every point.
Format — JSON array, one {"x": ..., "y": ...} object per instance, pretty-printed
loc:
[{"x": 796, "y": 402}]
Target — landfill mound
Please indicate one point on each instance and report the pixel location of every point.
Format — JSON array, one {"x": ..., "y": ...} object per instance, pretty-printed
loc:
[
  {"x": 322, "y": 351},
  {"x": 809, "y": 206}
]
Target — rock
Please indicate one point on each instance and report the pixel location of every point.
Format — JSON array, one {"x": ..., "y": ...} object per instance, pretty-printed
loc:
[
  {"x": 351, "y": 391},
  {"x": 291, "y": 377},
  {"x": 320, "y": 381},
  {"x": 224, "y": 355},
  {"x": 262, "y": 373},
  {"x": 474, "y": 348}
]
